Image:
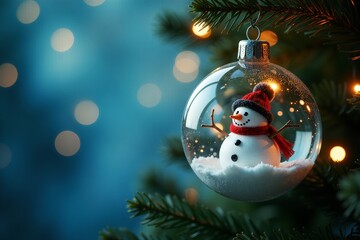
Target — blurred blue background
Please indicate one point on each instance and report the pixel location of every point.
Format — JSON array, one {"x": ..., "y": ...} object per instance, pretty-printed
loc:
[{"x": 87, "y": 96}]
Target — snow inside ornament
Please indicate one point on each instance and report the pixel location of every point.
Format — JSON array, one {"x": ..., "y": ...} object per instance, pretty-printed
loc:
[{"x": 251, "y": 130}]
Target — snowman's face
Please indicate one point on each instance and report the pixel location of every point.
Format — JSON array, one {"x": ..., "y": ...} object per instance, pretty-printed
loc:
[{"x": 247, "y": 117}]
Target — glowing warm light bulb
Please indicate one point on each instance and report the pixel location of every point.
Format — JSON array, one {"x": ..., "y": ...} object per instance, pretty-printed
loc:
[
  {"x": 200, "y": 30},
  {"x": 269, "y": 36},
  {"x": 337, "y": 153},
  {"x": 357, "y": 88}
]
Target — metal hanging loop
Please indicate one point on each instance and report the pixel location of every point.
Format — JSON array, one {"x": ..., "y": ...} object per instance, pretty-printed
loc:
[
  {"x": 253, "y": 24},
  {"x": 258, "y": 32}
]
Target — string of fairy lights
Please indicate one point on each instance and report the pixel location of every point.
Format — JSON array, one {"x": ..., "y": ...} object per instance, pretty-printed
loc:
[{"x": 149, "y": 95}]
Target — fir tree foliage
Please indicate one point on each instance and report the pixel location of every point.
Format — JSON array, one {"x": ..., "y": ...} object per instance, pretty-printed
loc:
[
  {"x": 173, "y": 152},
  {"x": 338, "y": 22},
  {"x": 199, "y": 222},
  {"x": 355, "y": 101},
  {"x": 117, "y": 234},
  {"x": 349, "y": 194},
  {"x": 331, "y": 190},
  {"x": 171, "y": 212}
]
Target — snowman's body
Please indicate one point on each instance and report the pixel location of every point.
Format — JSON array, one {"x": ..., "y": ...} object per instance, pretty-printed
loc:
[
  {"x": 248, "y": 151},
  {"x": 245, "y": 150}
]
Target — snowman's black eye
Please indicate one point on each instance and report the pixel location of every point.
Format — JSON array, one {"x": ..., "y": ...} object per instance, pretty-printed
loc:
[
  {"x": 236, "y": 112},
  {"x": 246, "y": 113}
]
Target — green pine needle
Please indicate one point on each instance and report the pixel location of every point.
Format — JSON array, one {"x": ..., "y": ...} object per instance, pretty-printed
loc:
[
  {"x": 195, "y": 222},
  {"x": 125, "y": 234},
  {"x": 349, "y": 194},
  {"x": 199, "y": 222},
  {"x": 117, "y": 234},
  {"x": 173, "y": 152},
  {"x": 336, "y": 21},
  {"x": 320, "y": 187},
  {"x": 331, "y": 95},
  {"x": 355, "y": 101}
]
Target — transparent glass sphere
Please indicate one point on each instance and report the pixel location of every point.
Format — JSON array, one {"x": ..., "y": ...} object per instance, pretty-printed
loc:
[{"x": 216, "y": 93}]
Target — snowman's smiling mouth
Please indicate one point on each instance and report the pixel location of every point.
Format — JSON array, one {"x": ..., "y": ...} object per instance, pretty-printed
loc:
[{"x": 241, "y": 124}]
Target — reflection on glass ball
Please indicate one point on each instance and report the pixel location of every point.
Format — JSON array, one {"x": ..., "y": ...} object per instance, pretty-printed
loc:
[{"x": 254, "y": 179}]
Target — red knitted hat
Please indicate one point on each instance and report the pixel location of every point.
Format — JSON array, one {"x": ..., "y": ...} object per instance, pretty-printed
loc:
[{"x": 259, "y": 100}]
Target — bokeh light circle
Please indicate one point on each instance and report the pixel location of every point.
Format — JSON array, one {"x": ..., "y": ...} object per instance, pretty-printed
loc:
[
  {"x": 67, "y": 143},
  {"x": 5, "y": 156},
  {"x": 337, "y": 153},
  {"x": 62, "y": 40},
  {"x": 28, "y": 11},
  {"x": 186, "y": 67},
  {"x": 86, "y": 112},
  {"x": 94, "y": 3},
  {"x": 8, "y": 75},
  {"x": 149, "y": 95},
  {"x": 269, "y": 36}
]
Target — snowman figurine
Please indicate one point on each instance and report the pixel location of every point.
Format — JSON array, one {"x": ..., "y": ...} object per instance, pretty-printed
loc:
[{"x": 253, "y": 140}]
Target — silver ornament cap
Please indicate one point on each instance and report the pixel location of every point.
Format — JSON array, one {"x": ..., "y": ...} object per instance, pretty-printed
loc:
[{"x": 254, "y": 50}]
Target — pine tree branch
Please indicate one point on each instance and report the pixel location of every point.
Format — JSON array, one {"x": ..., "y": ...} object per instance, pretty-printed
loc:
[
  {"x": 349, "y": 194},
  {"x": 355, "y": 101},
  {"x": 336, "y": 21},
  {"x": 125, "y": 234},
  {"x": 117, "y": 234},
  {"x": 173, "y": 152},
  {"x": 199, "y": 222},
  {"x": 196, "y": 222},
  {"x": 295, "y": 234},
  {"x": 331, "y": 95},
  {"x": 321, "y": 186}
]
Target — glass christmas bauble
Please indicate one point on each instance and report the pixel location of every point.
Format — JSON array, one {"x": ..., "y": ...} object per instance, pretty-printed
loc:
[{"x": 251, "y": 129}]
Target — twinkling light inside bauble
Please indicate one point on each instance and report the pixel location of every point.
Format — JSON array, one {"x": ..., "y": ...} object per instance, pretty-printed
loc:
[
  {"x": 337, "y": 154},
  {"x": 357, "y": 88},
  {"x": 274, "y": 86}
]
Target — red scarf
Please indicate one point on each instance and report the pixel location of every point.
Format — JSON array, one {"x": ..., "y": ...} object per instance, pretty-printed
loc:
[{"x": 284, "y": 145}]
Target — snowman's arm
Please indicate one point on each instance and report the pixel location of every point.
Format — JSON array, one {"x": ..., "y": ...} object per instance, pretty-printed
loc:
[
  {"x": 213, "y": 125},
  {"x": 287, "y": 125}
]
